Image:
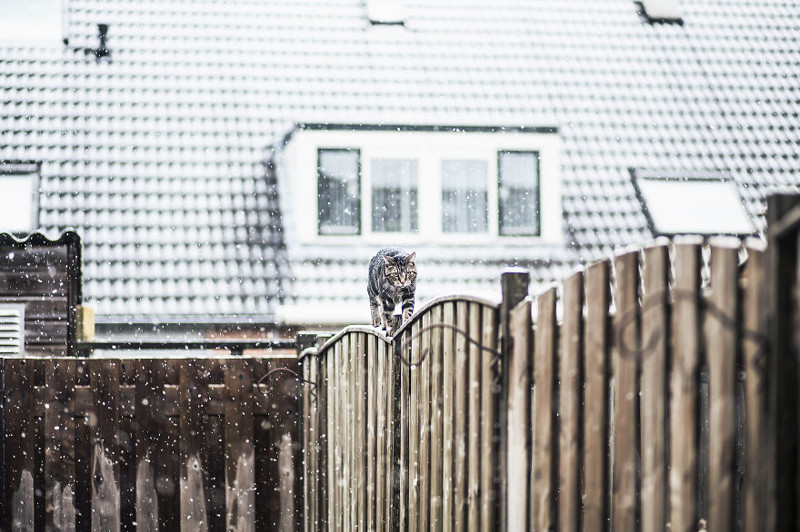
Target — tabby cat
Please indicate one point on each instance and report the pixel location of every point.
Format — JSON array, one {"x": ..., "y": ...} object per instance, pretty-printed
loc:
[{"x": 392, "y": 280}]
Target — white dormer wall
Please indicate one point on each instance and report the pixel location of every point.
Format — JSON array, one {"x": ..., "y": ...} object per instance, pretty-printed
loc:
[{"x": 298, "y": 181}]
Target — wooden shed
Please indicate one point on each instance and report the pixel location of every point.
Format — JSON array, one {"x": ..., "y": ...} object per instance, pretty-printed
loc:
[{"x": 40, "y": 292}]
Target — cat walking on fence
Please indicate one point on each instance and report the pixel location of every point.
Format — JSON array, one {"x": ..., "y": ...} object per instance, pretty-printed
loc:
[{"x": 392, "y": 280}]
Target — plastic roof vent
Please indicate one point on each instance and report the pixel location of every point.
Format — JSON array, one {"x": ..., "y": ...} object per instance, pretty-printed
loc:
[
  {"x": 692, "y": 205},
  {"x": 386, "y": 12},
  {"x": 664, "y": 11}
]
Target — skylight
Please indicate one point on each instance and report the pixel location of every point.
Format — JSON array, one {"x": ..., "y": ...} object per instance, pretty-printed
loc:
[
  {"x": 19, "y": 185},
  {"x": 702, "y": 206},
  {"x": 31, "y": 21},
  {"x": 391, "y": 12}
]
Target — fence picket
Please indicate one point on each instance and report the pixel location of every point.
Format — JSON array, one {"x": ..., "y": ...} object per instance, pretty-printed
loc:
[
  {"x": 152, "y": 505},
  {"x": 321, "y": 398},
  {"x": 721, "y": 344},
  {"x": 310, "y": 438},
  {"x": 348, "y": 495},
  {"x": 414, "y": 432},
  {"x": 333, "y": 436},
  {"x": 403, "y": 350},
  {"x": 461, "y": 412},
  {"x": 392, "y": 438},
  {"x": 653, "y": 388},
  {"x": 362, "y": 430},
  {"x": 239, "y": 447},
  {"x": 596, "y": 398},
  {"x": 59, "y": 466},
  {"x": 544, "y": 443},
  {"x": 626, "y": 352},
  {"x": 474, "y": 419},
  {"x": 436, "y": 431},
  {"x": 194, "y": 394},
  {"x": 754, "y": 352},
  {"x": 372, "y": 428},
  {"x": 359, "y": 430},
  {"x": 425, "y": 425},
  {"x": 447, "y": 417},
  {"x": 683, "y": 383},
  {"x": 380, "y": 488},
  {"x": 569, "y": 402},
  {"x": 490, "y": 401},
  {"x": 105, "y": 471},
  {"x": 20, "y": 467},
  {"x": 520, "y": 431}
]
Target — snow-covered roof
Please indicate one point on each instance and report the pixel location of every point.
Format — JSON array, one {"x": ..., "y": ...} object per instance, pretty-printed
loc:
[{"x": 156, "y": 154}]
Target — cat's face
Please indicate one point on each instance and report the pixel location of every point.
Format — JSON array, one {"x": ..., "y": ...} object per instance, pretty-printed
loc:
[{"x": 400, "y": 272}]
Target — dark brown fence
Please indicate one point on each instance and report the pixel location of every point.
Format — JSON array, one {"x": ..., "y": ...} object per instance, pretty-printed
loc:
[
  {"x": 631, "y": 397},
  {"x": 150, "y": 444}
]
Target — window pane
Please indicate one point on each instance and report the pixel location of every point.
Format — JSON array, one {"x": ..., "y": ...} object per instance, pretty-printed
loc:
[
  {"x": 464, "y": 197},
  {"x": 519, "y": 193},
  {"x": 338, "y": 192},
  {"x": 394, "y": 195},
  {"x": 694, "y": 206}
]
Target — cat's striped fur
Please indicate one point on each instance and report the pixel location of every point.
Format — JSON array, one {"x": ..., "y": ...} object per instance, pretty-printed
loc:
[{"x": 392, "y": 280}]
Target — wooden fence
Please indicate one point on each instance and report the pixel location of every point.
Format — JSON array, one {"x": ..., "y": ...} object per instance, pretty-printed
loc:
[
  {"x": 631, "y": 397},
  {"x": 187, "y": 444}
]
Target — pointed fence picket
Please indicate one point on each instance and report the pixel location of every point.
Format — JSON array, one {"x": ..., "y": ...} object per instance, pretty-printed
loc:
[{"x": 616, "y": 399}]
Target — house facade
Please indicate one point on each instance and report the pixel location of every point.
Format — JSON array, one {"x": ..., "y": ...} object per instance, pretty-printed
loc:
[{"x": 231, "y": 168}]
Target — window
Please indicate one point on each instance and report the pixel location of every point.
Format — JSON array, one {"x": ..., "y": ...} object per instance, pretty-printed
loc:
[
  {"x": 465, "y": 199},
  {"x": 394, "y": 195},
  {"x": 338, "y": 191},
  {"x": 417, "y": 184},
  {"x": 19, "y": 183},
  {"x": 518, "y": 184},
  {"x": 31, "y": 21},
  {"x": 692, "y": 205}
]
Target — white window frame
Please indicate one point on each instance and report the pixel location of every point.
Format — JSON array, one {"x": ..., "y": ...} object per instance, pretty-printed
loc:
[{"x": 429, "y": 148}]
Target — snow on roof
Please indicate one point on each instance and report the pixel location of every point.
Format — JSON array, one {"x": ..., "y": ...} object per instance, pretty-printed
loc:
[{"x": 156, "y": 154}]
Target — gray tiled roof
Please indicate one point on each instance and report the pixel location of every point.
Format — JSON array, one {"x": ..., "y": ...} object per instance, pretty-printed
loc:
[{"x": 157, "y": 156}]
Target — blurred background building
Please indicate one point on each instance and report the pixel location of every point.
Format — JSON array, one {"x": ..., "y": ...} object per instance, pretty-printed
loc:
[{"x": 231, "y": 167}]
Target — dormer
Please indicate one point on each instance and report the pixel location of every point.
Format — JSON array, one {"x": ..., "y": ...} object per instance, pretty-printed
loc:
[{"x": 417, "y": 184}]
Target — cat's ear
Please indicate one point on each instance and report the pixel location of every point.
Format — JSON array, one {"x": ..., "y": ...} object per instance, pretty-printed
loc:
[
  {"x": 411, "y": 258},
  {"x": 390, "y": 261}
]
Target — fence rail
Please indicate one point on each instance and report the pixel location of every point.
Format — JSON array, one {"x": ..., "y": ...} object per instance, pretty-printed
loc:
[
  {"x": 150, "y": 444},
  {"x": 632, "y": 396}
]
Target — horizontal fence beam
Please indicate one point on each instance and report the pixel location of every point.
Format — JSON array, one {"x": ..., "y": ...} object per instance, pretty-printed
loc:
[{"x": 234, "y": 346}]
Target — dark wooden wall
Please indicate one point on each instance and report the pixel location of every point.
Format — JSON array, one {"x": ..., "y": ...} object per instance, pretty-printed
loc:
[{"x": 44, "y": 275}]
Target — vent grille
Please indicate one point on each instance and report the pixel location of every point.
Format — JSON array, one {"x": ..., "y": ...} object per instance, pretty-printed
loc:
[{"x": 12, "y": 330}]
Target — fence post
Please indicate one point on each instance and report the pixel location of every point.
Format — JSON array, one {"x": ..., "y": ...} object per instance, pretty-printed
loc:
[
  {"x": 306, "y": 340},
  {"x": 514, "y": 284},
  {"x": 782, "y": 253}
]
